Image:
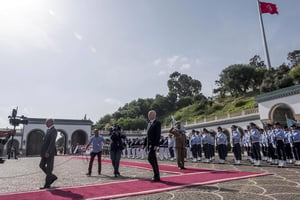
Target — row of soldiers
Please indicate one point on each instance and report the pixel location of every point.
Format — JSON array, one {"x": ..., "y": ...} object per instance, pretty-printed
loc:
[
  {"x": 277, "y": 145},
  {"x": 273, "y": 144}
]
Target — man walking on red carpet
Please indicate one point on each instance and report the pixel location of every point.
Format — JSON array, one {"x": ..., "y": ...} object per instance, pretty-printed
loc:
[
  {"x": 152, "y": 142},
  {"x": 48, "y": 152}
]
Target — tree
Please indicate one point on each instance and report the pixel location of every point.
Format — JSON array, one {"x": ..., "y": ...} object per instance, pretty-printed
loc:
[
  {"x": 103, "y": 121},
  {"x": 257, "y": 62},
  {"x": 282, "y": 78},
  {"x": 183, "y": 85},
  {"x": 295, "y": 74},
  {"x": 236, "y": 79},
  {"x": 294, "y": 58},
  {"x": 276, "y": 79}
]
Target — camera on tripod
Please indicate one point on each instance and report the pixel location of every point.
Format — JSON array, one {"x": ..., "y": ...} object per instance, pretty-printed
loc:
[{"x": 15, "y": 120}]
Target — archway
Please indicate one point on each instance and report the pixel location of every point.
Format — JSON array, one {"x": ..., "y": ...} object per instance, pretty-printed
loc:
[
  {"x": 79, "y": 137},
  {"x": 12, "y": 148},
  {"x": 280, "y": 112},
  {"x": 34, "y": 142},
  {"x": 61, "y": 142}
]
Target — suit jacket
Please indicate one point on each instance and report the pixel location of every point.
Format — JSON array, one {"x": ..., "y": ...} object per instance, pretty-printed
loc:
[
  {"x": 153, "y": 134},
  {"x": 179, "y": 137},
  {"x": 48, "y": 145}
]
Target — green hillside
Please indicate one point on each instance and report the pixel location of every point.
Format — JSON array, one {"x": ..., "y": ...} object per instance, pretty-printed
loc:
[{"x": 217, "y": 107}]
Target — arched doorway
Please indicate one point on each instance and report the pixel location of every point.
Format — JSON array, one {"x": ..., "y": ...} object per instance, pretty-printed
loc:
[
  {"x": 12, "y": 148},
  {"x": 34, "y": 142},
  {"x": 79, "y": 137},
  {"x": 280, "y": 112},
  {"x": 61, "y": 142}
]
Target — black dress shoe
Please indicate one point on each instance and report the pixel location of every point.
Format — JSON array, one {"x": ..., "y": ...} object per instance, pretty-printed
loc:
[
  {"x": 53, "y": 179},
  {"x": 155, "y": 179},
  {"x": 182, "y": 168},
  {"x": 45, "y": 187}
]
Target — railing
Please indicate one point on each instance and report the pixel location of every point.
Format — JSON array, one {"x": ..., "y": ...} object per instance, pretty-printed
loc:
[{"x": 251, "y": 111}]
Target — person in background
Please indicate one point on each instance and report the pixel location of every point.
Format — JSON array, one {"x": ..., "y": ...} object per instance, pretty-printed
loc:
[
  {"x": 264, "y": 144},
  {"x": 97, "y": 142},
  {"x": 206, "y": 145},
  {"x": 221, "y": 142},
  {"x": 193, "y": 143},
  {"x": 288, "y": 142},
  {"x": 255, "y": 138},
  {"x": 271, "y": 144},
  {"x": 279, "y": 138},
  {"x": 199, "y": 146},
  {"x": 6, "y": 134},
  {"x": 296, "y": 142},
  {"x": 235, "y": 143},
  {"x": 171, "y": 143}
]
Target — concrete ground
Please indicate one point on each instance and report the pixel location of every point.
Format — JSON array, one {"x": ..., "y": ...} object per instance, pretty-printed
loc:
[{"x": 24, "y": 175}]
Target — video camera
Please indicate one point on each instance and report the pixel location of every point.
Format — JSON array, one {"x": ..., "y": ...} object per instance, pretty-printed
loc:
[
  {"x": 15, "y": 120},
  {"x": 114, "y": 129}
]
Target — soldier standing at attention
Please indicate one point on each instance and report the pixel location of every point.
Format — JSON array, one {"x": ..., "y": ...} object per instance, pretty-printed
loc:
[
  {"x": 236, "y": 140},
  {"x": 221, "y": 142},
  {"x": 180, "y": 143}
]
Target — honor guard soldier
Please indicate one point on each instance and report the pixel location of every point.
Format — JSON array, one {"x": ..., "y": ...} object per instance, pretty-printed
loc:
[
  {"x": 272, "y": 147},
  {"x": 279, "y": 139},
  {"x": 288, "y": 142},
  {"x": 296, "y": 142},
  {"x": 206, "y": 145},
  {"x": 221, "y": 142},
  {"x": 264, "y": 144},
  {"x": 255, "y": 137},
  {"x": 235, "y": 143},
  {"x": 199, "y": 147},
  {"x": 193, "y": 143}
]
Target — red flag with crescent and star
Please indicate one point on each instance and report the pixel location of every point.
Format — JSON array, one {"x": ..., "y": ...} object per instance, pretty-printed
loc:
[{"x": 268, "y": 8}]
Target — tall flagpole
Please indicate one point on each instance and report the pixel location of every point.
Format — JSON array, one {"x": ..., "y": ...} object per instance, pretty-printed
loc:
[{"x": 264, "y": 36}]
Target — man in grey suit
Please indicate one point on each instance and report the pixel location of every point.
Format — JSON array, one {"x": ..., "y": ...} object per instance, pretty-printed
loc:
[{"x": 48, "y": 151}]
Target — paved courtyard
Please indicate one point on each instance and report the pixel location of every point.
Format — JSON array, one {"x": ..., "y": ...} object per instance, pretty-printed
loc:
[{"x": 24, "y": 175}]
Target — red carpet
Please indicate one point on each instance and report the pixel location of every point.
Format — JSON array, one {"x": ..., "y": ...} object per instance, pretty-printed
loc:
[
  {"x": 147, "y": 166},
  {"x": 192, "y": 177}
]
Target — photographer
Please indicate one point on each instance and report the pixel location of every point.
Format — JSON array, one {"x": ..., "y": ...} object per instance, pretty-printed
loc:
[
  {"x": 6, "y": 134},
  {"x": 116, "y": 147}
]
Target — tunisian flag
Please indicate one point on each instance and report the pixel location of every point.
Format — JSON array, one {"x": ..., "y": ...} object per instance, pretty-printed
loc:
[{"x": 268, "y": 8}]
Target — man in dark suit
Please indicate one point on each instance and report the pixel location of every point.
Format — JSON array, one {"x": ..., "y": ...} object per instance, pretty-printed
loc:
[
  {"x": 48, "y": 152},
  {"x": 152, "y": 142}
]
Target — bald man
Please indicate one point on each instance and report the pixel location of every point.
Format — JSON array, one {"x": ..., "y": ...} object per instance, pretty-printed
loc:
[{"x": 152, "y": 142}]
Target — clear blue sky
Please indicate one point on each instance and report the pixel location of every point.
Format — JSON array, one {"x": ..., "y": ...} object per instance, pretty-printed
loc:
[{"x": 68, "y": 58}]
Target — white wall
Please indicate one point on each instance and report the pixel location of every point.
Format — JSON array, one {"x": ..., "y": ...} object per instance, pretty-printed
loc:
[{"x": 292, "y": 101}]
